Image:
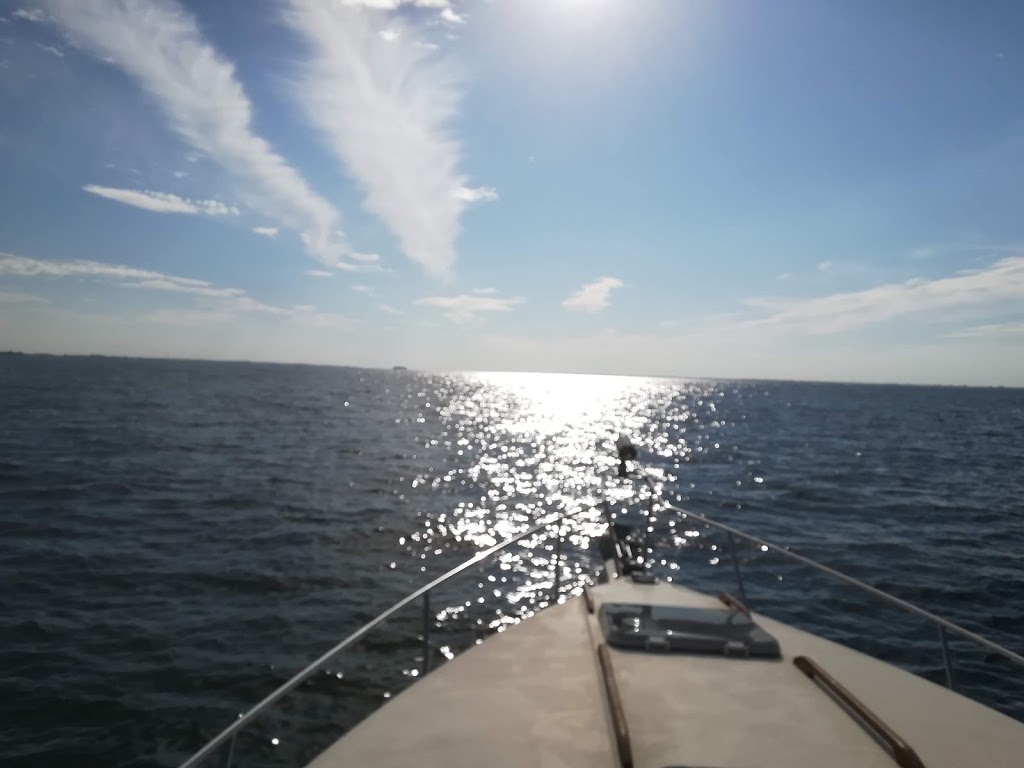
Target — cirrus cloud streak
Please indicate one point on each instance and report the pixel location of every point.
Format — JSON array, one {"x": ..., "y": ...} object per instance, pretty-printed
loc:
[
  {"x": 467, "y": 306},
  {"x": 161, "y": 47},
  {"x": 161, "y": 202},
  {"x": 384, "y": 106},
  {"x": 223, "y": 300},
  {"x": 1000, "y": 282}
]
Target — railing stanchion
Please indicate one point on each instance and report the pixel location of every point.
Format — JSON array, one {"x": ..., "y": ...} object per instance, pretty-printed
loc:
[
  {"x": 426, "y": 632},
  {"x": 885, "y": 597},
  {"x": 736, "y": 569},
  {"x": 231, "y": 752},
  {"x": 947, "y": 660},
  {"x": 647, "y": 528},
  {"x": 211, "y": 747},
  {"x": 557, "y": 580}
]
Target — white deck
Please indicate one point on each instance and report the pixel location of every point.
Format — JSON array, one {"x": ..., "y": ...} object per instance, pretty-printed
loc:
[{"x": 534, "y": 695}]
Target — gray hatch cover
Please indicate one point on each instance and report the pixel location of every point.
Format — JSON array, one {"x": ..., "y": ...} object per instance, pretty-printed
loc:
[{"x": 671, "y": 629}]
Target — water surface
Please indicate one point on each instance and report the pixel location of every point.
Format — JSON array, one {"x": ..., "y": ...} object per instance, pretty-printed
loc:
[{"x": 178, "y": 538}]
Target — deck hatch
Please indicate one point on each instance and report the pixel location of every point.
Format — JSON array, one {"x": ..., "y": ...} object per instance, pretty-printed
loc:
[{"x": 671, "y": 629}]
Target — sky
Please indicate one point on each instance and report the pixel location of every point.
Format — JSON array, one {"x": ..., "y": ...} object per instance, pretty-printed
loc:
[{"x": 720, "y": 188}]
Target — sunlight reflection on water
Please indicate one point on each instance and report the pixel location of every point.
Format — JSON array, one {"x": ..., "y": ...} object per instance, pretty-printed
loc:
[{"x": 520, "y": 448}]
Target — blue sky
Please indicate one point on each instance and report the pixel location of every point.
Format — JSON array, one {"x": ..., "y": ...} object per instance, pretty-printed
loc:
[{"x": 686, "y": 187}]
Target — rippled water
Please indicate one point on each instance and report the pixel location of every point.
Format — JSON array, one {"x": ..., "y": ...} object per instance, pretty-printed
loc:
[{"x": 178, "y": 538}]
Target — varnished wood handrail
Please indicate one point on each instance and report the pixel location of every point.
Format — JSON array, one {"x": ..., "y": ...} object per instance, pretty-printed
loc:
[
  {"x": 902, "y": 752},
  {"x": 615, "y": 707},
  {"x": 588, "y": 598},
  {"x": 733, "y": 602}
]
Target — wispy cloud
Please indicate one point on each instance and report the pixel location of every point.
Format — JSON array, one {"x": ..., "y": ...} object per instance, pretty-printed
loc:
[
  {"x": 29, "y": 14},
  {"x": 476, "y": 194},
  {"x": 963, "y": 248},
  {"x": 365, "y": 258},
  {"x": 1002, "y": 281},
  {"x": 51, "y": 49},
  {"x": 393, "y": 5},
  {"x": 364, "y": 289},
  {"x": 265, "y": 231},
  {"x": 161, "y": 202},
  {"x": 593, "y": 296},
  {"x": 389, "y": 310},
  {"x": 22, "y": 266},
  {"x": 161, "y": 47},
  {"x": 227, "y": 312},
  {"x": 13, "y": 297},
  {"x": 184, "y": 285},
  {"x": 384, "y": 107},
  {"x": 460, "y": 309},
  {"x": 825, "y": 266},
  {"x": 989, "y": 331},
  {"x": 449, "y": 15},
  {"x": 319, "y": 273},
  {"x": 223, "y": 300}
]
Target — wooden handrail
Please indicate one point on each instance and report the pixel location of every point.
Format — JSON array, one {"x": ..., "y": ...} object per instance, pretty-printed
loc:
[
  {"x": 615, "y": 707},
  {"x": 902, "y": 752},
  {"x": 588, "y": 598},
  {"x": 734, "y": 603}
]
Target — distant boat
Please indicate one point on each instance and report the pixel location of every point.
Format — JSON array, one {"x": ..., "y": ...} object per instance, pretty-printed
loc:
[{"x": 399, "y": 368}]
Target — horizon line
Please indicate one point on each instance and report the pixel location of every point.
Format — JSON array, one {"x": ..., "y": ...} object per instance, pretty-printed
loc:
[{"x": 466, "y": 371}]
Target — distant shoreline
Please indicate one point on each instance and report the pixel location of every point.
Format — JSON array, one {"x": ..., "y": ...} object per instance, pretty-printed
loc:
[{"x": 391, "y": 369}]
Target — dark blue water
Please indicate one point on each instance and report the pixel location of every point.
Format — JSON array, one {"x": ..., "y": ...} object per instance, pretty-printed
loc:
[{"x": 178, "y": 538}]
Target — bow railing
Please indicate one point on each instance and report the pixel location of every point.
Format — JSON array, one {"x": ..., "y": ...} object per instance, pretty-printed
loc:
[{"x": 223, "y": 745}]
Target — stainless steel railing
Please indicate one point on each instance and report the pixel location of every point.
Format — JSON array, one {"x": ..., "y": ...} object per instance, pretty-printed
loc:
[
  {"x": 942, "y": 625},
  {"x": 230, "y": 734}
]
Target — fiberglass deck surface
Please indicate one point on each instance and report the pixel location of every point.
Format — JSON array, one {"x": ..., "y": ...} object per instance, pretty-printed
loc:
[{"x": 534, "y": 695}]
